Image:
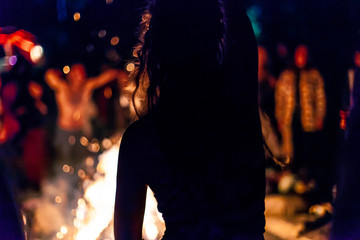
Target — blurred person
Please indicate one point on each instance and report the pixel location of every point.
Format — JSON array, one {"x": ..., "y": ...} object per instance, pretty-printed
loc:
[
  {"x": 347, "y": 202},
  {"x": 300, "y": 108},
  {"x": 10, "y": 124},
  {"x": 74, "y": 101},
  {"x": 198, "y": 141},
  {"x": 35, "y": 144},
  {"x": 299, "y": 99},
  {"x": 10, "y": 224}
]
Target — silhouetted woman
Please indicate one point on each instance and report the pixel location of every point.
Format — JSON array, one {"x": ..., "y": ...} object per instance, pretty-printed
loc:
[{"x": 199, "y": 144}]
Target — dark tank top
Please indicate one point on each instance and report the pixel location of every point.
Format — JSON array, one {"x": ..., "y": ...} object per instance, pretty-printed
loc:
[{"x": 223, "y": 200}]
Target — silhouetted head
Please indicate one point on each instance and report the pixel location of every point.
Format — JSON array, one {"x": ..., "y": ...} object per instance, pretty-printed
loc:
[
  {"x": 77, "y": 75},
  {"x": 357, "y": 58},
  {"x": 173, "y": 36},
  {"x": 301, "y": 56}
]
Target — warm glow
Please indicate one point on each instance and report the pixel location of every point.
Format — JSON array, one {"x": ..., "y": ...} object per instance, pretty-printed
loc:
[
  {"x": 66, "y": 69},
  {"x": 89, "y": 161},
  {"x": 59, "y": 235},
  {"x": 77, "y": 16},
  {"x": 94, "y": 147},
  {"x": 66, "y": 168},
  {"x": 124, "y": 101},
  {"x": 114, "y": 40},
  {"x": 100, "y": 197},
  {"x": 58, "y": 199},
  {"x": 36, "y": 53},
  {"x": 153, "y": 225},
  {"x": 81, "y": 173},
  {"x": 63, "y": 230},
  {"x": 35, "y": 89},
  {"x": 26, "y": 45},
  {"x": 84, "y": 141},
  {"x": 95, "y": 211},
  {"x": 108, "y": 93},
  {"x": 151, "y": 231},
  {"x": 81, "y": 202},
  {"x": 109, "y": 1},
  {"x": 357, "y": 59},
  {"x": 301, "y": 56},
  {"x": 130, "y": 67},
  {"x": 77, "y": 115},
  {"x": 106, "y": 143},
  {"x": 318, "y": 210}
]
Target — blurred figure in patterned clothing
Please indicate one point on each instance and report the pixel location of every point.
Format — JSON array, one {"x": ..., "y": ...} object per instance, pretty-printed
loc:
[{"x": 300, "y": 108}]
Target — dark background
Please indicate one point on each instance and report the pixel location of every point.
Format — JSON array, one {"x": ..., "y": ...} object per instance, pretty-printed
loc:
[{"x": 331, "y": 29}]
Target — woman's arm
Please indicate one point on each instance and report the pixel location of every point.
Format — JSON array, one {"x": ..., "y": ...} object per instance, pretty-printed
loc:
[{"x": 130, "y": 192}]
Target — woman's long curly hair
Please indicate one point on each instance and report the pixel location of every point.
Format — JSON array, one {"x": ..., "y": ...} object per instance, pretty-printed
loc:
[
  {"x": 165, "y": 46},
  {"x": 172, "y": 33}
]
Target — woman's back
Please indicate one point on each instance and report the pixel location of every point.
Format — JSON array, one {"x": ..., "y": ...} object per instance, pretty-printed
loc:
[{"x": 218, "y": 200}]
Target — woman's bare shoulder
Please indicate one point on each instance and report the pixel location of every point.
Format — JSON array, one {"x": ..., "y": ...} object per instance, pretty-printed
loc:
[{"x": 139, "y": 142}]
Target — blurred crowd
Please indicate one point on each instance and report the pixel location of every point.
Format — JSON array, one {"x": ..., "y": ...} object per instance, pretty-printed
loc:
[
  {"x": 301, "y": 178},
  {"x": 51, "y": 120}
]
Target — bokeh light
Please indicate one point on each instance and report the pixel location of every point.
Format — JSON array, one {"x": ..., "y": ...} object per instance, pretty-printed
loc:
[
  {"x": 77, "y": 16},
  {"x": 12, "y": 60},
  {"x": 58, "y": 199},
  {"x": 66, "y": 168},
  {"x": 102, "y": 33},
  {"x": 36, "y": 53},
  {"x": 130, "y": 67},
  {"x": 84, "y": 141},
  {"x": 114, "y": 40},
  {"x": 64, "y": 230},
  {"x": 66, "y": 69},
  {"x": 108, "y": 93}
]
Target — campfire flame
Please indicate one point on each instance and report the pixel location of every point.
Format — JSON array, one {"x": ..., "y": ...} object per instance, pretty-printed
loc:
[{"x": 94, "y": 213}]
